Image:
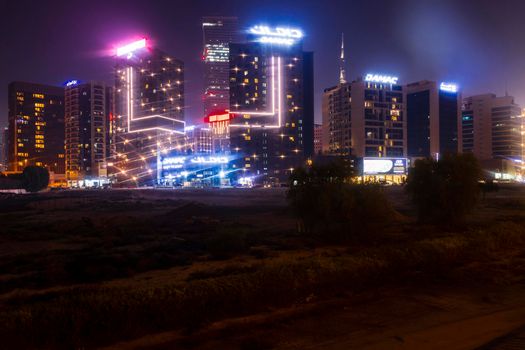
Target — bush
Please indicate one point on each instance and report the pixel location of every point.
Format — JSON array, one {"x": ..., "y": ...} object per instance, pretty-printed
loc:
[
  {"x": 445, "y": 190},
  {"x": 326, "y": 202},
  {"x": 35, "y": 178}
]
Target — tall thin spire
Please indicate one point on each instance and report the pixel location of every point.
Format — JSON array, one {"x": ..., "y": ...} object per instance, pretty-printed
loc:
[{"x": 342, "y": 73}]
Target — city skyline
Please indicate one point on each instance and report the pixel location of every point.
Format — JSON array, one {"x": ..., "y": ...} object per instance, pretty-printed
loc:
[{"x": 480, "y": 51}]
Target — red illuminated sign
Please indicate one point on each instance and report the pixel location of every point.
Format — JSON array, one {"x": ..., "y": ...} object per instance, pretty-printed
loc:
[{"x": 218, "y": 116}]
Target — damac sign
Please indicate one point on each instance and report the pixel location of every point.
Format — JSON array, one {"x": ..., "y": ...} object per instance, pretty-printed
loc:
[{"x": 377, "y": 78}]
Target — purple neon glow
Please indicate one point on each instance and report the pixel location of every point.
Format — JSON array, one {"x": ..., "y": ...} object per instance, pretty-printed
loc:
[{"x": 129, "y": 48}]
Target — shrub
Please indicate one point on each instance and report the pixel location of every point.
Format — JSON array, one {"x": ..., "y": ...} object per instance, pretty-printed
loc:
[
  {"x": 35, "y": 178},
  {"x": 326, "y": 202},
  {"x": 445, "y": 190}
]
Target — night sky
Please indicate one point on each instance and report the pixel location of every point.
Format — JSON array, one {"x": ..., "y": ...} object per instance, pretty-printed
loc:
[{"x": 480, "y": 44}]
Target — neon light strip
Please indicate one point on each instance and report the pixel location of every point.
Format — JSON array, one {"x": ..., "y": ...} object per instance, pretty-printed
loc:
[
  {"x": 158, "y": 128},
  {"x": 279, "y": 98},
  {"x": 273, "y": 98},
  {"x": 129, "y": 73},
  {"x": 139, "y": 44},
  {"x": 159, "y": 116}
]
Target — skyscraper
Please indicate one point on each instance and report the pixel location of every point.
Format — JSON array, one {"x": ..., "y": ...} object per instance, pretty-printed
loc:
[
  {"x": 433, "y": 119},
  {"x": 36, "y": 126},
  {"x": 336, "y": 131},
  {"x": 318, "y": 138},
  {"x": 87, "y": 123},
  {"x": 492, "y": 127},
  {"x": 217, "y": 34},
  {"x": 198, "y": 139},
  {"x": 149, "y": 111},
  {"x": 271, "y": 99},
  {"x": 365, "y": 118},
  {"x": 4, "y": 151}
]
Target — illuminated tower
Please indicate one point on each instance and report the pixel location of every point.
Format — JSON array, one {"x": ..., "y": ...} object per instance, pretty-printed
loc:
[
  {"x": 342, "y": 73},
  {"x": 271, "y": 100},
  {"x": 149, "y": 111},
  {"x": 86, "y": 119},
  {"x": 217, "y": 34},
  {"x": 36, "y": 127}
]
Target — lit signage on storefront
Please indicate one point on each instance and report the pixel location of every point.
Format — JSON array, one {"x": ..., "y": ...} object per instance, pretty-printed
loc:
[
  {"x": 277, "y": 35},
  {"x": 180, "y": 162},
  {"x": 448, "y": 87},
  {"x": 129, "y": 48},
  {"x": 383, "y": 79},
  {"x": 209, "y": 160},
  {"x": 384, "y": 166}
]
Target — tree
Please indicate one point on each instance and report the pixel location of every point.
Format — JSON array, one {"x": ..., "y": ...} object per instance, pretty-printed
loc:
[
  {"x": 326, "y": 202},
  {"x": 35, "y": 178},
  {"x": 445, "y": 190}
]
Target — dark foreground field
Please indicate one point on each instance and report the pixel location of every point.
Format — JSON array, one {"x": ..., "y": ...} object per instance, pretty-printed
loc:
[{"x": 226, "y": 269}]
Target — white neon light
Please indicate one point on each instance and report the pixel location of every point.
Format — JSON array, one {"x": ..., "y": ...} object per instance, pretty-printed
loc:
[
  {"x": 209, "y": 160},
  {"x": 278, "y": 35},
  {"x": 131, "y": 114},
  {"x": 273, "y": 110},
  {"x": 72, "y": 82},
  {"x": 129, "y": 48},
  {"x": 278, "y": 31},
  {"x": 449, "y": 87},
  {"x": 384, "y": 79},
  {"x": 276, "y": 40},
  {"x": 195, "y": 160}
]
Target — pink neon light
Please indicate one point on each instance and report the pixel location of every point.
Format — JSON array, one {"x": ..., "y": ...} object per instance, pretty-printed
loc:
[{"x": 129, "y": 48}]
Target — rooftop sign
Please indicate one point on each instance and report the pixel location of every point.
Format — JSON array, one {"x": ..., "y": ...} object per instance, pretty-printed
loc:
[
  {"x": 378, "y": 78},
  {"x": 277, "y": 35},
  {"x": 449, "y": 87},
  {"x": 129, "y": 48},
  {"x": 71, "y": 82}
]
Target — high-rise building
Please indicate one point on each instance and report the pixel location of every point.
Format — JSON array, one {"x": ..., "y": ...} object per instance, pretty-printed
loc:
[
  {"x": 365, "y": 118},
  {"x": 87, "y": 123},
  {"x": 149, "y": 111},
  {"x": 4, "y": 149},
  {"x": 219, "y": 123},
  {"x": 217, "y": 34},
  {"x": 318, "y": 138},
  {"x": 36, "y": 127},
  {"x": 492, "y": 127},
  {"x": 198, "y": 139},
  {"x": 271, "y": 99},
  {"x": 433, "y": 114}
]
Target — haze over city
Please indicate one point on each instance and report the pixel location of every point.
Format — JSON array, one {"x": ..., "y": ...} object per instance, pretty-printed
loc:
[
  {"x": 245, "y": 175},
  {"x": 478, "y": 44}
]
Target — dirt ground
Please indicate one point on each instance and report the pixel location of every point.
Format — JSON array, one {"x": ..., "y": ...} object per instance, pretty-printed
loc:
[
  {"x": 443, "y": 318},
  {"x": 36, "y": 261}
]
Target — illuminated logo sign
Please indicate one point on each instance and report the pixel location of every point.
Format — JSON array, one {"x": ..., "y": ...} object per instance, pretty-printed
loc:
[
  {"x": 218, "y": 116},
  {"x": 449, "y": 87},
  {"x": 179, "y": 162},
  {"x": 71, "y": 82},
  {"x": 384, "y": 166},
  {"x": 209, "y": 160},
  {"x": 129, "y": 48},
  {"x": 277, "y": 35},
  {"x": 384, "y": 79}
]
